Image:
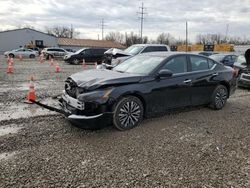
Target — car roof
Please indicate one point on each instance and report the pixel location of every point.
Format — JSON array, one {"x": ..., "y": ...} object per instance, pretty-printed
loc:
[
  {"x": 149, "y": 45},
  {"x": 167, "y": 54}
]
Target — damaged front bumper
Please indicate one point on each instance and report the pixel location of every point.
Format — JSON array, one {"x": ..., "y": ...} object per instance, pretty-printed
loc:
[
  {"x": 244, "y": 80},
  {"x": 79, "y": 116}
]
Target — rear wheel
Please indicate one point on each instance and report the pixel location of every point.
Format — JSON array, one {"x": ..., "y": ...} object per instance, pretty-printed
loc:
[
  {"x": 32, "y": 56},
  {"x": 11, "y": 55},
  {"x": 128, "y": 113},
  {"x": 219, "y": 97}
]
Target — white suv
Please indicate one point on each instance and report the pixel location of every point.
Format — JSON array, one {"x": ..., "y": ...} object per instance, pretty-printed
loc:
[{"x": 54, "y": 52}]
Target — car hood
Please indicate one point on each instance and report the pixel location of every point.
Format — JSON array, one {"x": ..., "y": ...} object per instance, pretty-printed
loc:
[
  {"x": 115, "y": 51},
  {"x": 99, "y": 78}
]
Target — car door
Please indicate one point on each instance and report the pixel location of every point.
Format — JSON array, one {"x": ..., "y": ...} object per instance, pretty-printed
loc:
[
  {"x": 172, "y": 92},
  {"x": 87, "y": 55},
  {"x": 203, "y": 77}
]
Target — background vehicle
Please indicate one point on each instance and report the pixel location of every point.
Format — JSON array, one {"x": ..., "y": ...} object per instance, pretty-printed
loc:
[
  {"x": 70, "y": 50},
  {"x": 207, "y": 53},
  {"x": 115, "y": 56},
  {"x": 143, "y": 86},
  {"x": 244, "y": 71},
  {"x": 88, "y": 54},
  {"x": 54, "y": 52},
  {"x": 226, "y": 59},
  {"x": 26, "y": 53}
]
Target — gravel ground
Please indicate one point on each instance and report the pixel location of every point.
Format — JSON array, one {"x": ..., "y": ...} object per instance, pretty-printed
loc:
[{"x": 195, "y": 147}]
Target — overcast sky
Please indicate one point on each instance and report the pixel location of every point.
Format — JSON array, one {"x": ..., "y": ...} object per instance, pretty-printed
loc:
[{"x": 210, "y": 16}]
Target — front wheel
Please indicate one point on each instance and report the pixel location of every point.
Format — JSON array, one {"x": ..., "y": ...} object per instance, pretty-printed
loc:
[
  {"x": 219, "y": 97},
  {"x": 128, "y": 113},
  {"x": 76, "y": 61}
]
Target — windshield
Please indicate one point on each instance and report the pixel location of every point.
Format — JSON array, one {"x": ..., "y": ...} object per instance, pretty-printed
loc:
[
  {"x": 139, "y": 65},
  {"x": 218, "y": 58},
  {"x": 133, "y": 49},
  {"x": 241, "y": 59}
]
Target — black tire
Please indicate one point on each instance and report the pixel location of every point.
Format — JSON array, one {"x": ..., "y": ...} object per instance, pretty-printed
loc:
[
  {"x": 32, "y": 56},
  {"x": 219, "y": 97},
  {"x": 75, "y": 61},
  {"x": 128, "y": 113},
  {"x": 11, "y": 55}
]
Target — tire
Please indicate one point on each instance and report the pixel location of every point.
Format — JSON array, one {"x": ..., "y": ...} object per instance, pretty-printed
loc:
[
  {"x": 219, "y": 97},
  {"x": 128, "y": 113},
  {"x": 11, "y": 55},
  {"x": 75, "y": 61},
  {"x": 32, "y": 56}
]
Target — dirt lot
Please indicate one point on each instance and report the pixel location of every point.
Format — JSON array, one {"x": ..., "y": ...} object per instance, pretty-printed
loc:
[{"x": 196, "y": 147}]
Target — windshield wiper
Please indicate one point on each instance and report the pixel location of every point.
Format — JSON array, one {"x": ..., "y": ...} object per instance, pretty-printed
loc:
[{"x": 119, "y": 71}]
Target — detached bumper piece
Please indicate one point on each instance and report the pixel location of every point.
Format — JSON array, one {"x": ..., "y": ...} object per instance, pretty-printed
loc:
[
  {"x": 82, "y": 117},
  {"x": 244, "y": 80}
]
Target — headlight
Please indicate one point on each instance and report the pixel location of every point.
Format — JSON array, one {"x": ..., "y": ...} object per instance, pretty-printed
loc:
[{"x": 102, "y": 95}]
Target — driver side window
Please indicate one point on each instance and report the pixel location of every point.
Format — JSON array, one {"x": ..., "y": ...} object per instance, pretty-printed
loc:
[{"x": 177, "y": 64}]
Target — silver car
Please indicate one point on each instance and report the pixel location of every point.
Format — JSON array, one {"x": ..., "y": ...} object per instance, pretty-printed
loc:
[{"x": 25, "y": 53}]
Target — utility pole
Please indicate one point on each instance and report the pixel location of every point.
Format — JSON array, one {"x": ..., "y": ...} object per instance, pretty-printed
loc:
[
  {"x": 71, "y": 31},
  {"x": 186, "y": 36},
  {"x": 102, "y": 27},
  {"x": 227, "y": 30},
  {"x": 141, "y": 17}
]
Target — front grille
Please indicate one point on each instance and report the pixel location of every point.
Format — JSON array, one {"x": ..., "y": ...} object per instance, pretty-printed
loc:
[{"x": 71, "y": 88}]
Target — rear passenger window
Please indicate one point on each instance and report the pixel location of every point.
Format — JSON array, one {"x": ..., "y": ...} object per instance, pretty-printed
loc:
[
  {"x": 177, "y": 64},
  {"x": 198, "y": 63},
  {"x": 155, "y": 49}
]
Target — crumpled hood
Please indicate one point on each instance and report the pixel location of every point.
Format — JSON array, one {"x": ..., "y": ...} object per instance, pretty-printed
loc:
[
  {"x": 115, "y": 51},
  {"x": 95, "y": 78}
]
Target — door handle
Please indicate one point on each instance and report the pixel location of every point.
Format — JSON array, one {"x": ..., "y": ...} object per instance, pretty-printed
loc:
[
  {"x": 215, "y": 74},
  {"x": 187, "y": 81}
]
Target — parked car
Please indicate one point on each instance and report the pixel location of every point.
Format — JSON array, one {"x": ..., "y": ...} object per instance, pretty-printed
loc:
[
  {"x": 26, "y": 53},
  {"x": 226, "y": 59},
  {"x": 70, "y": 50},
  {"x": 244, "y": 71},
  {"x": 144, "y": 86},
  {"x": 88, "y": 54},
  {"x": 207, "y": 53},
  {"x": 54, "y": 52},
  {"x": 115, "y": 56}
]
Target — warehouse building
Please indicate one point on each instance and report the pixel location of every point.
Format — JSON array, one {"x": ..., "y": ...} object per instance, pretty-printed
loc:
[
  {"x": 13, "y": 39},
  {"x": 26, "y": 37},
  {"x": 76, "y": 44}
]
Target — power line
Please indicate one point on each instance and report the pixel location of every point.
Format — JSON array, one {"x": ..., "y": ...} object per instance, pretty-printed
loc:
[{"x": 142, "y": 17}]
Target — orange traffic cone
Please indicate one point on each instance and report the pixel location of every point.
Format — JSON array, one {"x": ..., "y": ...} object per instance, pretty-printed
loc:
[
  {"x": 41, "y": 58},
  {"x": 11, "y": 61},
  {"x": 51, "y": 62},
  {"x": 10, "y": 68},
  {"x": 20, "y": 57},
  {"x": 57, "y": 68},
  {"x": 8, "y": 59},
  {"x": 31, "y": 96},
  {"x": 84, "y": 65}
]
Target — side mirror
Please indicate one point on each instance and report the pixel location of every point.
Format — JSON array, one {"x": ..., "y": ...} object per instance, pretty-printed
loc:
[{"x": 165, "y": 73}]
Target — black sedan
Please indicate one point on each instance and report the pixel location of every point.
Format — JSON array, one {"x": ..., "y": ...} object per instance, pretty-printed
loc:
[{"x": 144, "y": 86}]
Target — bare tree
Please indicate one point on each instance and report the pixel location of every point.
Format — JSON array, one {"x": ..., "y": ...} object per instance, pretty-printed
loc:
[
  {"x": 62, "y": 31},
  {"x": 132, "y": 38},
  {"x": 115, "y": 37},
  {"x": 165, "y": 38}
]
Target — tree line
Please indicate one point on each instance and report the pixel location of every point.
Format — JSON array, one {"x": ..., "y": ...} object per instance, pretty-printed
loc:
[{"x": 128, "y": 39}]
